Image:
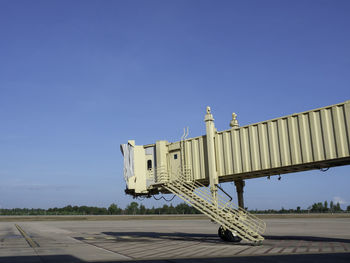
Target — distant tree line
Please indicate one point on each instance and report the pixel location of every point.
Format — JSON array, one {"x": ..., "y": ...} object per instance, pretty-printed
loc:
[
  {"x": 132, "y": 209},
  {"x": 315, "y": 208},
  {"x": 139, "y": 209}
]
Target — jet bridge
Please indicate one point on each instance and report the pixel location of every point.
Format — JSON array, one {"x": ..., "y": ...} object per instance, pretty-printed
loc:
[{"x": 193, "y": 168}]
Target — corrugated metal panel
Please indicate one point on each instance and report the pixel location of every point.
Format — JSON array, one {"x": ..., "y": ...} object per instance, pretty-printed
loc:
[
  {"x": 188, "y": 153},
  {"x": 195, "y": 159},
  {"x": 328, "y": 134},
  {"x": 227, "y": 153},
  {"x": 236, "y": 147},
  {"x": 273, "y": 144},
  {"x": 294, "y": 140},
  {"x": 203, "y": 158},
  {"x": 340, "y": 131},
  {"x": 245, "y": 151},
  {"x": 283, "y": 135},
  {"x": 254, "y": 147},
  {"x": 219, "y": 154},
  {"x": 315, "y": 136},
  {"x": 264, "y": 146}
]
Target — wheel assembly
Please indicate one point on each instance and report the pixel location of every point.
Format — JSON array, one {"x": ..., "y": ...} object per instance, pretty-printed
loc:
[
  {"x": 221, "y": 233},
  {"x": 227, "y": 235}
]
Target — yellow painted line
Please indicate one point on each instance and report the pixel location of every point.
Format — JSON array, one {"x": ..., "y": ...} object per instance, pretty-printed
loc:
[
  {"x": 30, "y": 241},
  {"x": 110, "y": 238},
  {"x": 89, "y": 238}
]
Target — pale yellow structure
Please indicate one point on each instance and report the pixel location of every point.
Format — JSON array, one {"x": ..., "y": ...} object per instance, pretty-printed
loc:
[
  {"x": 315, "y": 139},
  {"x": 309, "y": 140}
]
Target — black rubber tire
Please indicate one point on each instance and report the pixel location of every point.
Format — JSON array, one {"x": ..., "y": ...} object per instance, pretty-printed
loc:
[
  {"x": 221, "y": 233},
  {"x": 226, "y": 235},
  {"x": 231, "y": 238}
]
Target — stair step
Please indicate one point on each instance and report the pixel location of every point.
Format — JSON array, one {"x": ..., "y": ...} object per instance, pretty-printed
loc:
[{"x": 229, "y": 219}]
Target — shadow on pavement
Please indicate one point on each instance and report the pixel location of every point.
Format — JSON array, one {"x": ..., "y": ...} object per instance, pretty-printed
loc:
[
  {"x": 178, "y": 236},
  {"x": 308, "y": 238},
  {"x": 210, "y": 238},
  {"x": 309, "y": 258}
]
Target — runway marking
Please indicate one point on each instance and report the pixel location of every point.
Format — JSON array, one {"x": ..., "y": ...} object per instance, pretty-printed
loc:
[
  {"x": 89, "y": 238},
  {"x": 345, "y": 248},
  {"x": 281, "y": 250},
  {"x": 308, "y": 247},
  {"x": 30, "y": 241},
  {"x": 274, "y": 246},
  {"x": 320, "y": 247},
  {"x": 241, "y": 251},
  {"x": 109, "y": 250},
  {"x": 175, "y": 249},
  {"x": 297, "y": 245},
  {"x": 146, "y": 246},
  {"x": 268, "y": 250}
]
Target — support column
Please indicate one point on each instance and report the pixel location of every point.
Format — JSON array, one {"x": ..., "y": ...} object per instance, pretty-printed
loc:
[
  {"x": 238, "y": 183},
  {"x": 239, "y": 187},
  {"x": 213, "y": 177}
]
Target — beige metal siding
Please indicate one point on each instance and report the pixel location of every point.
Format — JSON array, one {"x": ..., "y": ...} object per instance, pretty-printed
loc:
[
  {"x": 236, "y": 148},
  {"x": 347, "y": 122},
  {"x": 328, "y": 133},
  {"x": 227, "y": 153},
  {"x": 254, "y": 147},
  {"x": 293, "y": 141},
  {"x": 219, "y": 154},
  {"x": 264, "y": 146},
  {"x": 245, "y": 151},
  {"x": 195, "y": 159},
  {"x": 316, "y": 135},
  {"x": 340, "y": 131},
  {"x": 203, "y": 158},
  {"x": 273, "y": 144},
  {"x": 305, "y": 138},
  {"x": 283, "y": 135},
  {"x": 188, "y": 153}
]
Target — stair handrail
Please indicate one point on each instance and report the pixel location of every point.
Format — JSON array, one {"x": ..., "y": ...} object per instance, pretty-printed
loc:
[
  {"x": 255, "y": 218},
  {"x": 244, "y": 233},
  {"x": 251, "y": 221}
]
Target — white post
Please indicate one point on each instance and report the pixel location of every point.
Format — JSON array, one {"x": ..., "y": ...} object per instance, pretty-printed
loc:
[
  {"x": 213, "y": 176},
  {"x": 238, "y": 183}
]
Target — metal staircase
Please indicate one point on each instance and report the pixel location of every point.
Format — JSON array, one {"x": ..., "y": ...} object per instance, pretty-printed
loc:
[{"x": 233, "y": 219}]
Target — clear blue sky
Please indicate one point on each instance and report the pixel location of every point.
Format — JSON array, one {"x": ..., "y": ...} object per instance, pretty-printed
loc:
[{"x": 78, "y": 78}]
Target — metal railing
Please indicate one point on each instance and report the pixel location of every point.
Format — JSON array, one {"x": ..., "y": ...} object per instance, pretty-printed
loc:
[
  {"x": 162, "y": 175},
  {"x": 222, "y": 210}
]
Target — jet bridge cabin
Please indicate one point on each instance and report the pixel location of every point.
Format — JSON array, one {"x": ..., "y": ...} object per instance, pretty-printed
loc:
[{"x": 316, "y": 139}]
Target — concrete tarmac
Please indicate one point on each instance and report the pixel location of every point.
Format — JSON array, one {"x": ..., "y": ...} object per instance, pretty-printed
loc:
[{"x": 286, "y": 240}]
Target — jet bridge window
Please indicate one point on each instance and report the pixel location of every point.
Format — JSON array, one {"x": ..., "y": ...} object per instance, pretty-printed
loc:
[{"x": 149, "y": 165}]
